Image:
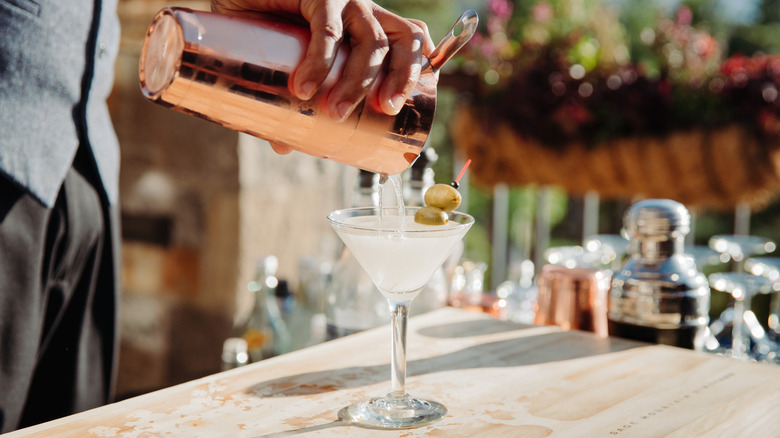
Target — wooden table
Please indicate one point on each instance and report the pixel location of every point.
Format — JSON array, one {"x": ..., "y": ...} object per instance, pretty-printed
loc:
[{"x": 496, "y": 378}]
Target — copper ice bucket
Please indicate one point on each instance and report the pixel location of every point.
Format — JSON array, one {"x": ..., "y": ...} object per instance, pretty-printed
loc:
[{"x": 573, "y": 298}]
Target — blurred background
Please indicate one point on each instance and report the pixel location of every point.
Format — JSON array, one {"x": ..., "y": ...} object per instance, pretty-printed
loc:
[{"x": 570, "y": 111}]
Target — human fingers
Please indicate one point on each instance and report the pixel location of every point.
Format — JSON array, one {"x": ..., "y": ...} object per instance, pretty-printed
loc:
[
  {"x": 363, "y": 22},
  {"x": 428, "y": 45},
  {"x": 323, "y": 17},
  {"x": 409, "y": 41},
  {"x": 280, "y": 149},
  {"x": 327, "y": 32},
  {"x": 255, "y": 8},
  {"x": 368, "y": 48}
]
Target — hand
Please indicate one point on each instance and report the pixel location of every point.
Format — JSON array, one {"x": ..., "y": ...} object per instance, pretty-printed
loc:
[{"x": 376, "y": 37}]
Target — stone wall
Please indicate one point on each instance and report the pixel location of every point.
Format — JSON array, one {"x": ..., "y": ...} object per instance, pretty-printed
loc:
[{"x": 200, "y": 204}]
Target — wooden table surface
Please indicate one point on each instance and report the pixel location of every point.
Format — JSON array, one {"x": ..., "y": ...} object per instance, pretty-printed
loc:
[{"x": 496, "y": 378}]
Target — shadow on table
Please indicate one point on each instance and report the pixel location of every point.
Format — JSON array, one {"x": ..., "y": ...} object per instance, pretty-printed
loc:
[
  {"x": 463, "y": 329},
  {"x": 520, "y": 351},
  {"x": 343, "y": 421},
  {"x": 307, "y": 429}
]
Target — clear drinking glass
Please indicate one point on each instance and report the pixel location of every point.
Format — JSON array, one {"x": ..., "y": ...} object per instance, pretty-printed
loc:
[
  {"x": 608, "y": 244},
  {"x": 400, "y": 256},
  {"x": 742, "y": 287},
  {"x": 738, "y": 247},
  {"x": 769, "y": 267},
  {"x": 703, "y": 256},
  {"x": 735, "y": 249},
  {"x": 594, "y": 255}
]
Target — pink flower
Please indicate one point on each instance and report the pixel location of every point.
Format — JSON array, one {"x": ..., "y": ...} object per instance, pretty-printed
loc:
[
  {"x": 705, "y": 45},
  {"x": 487, "y": 48},
  {"x": 500, "y": 8},
  {"x": 542, "y": 12},
  {"x": 684, "y": 16},
  {"x": 495, "y": 25}
]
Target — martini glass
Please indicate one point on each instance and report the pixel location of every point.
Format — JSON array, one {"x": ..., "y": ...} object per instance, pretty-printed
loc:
[{"x": 400, "y": 256}]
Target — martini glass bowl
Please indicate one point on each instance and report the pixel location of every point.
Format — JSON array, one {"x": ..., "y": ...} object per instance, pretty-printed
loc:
[{"x": 399, "y": 256}]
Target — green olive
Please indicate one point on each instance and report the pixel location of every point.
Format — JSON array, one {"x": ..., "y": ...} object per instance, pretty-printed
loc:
[
  {"x": 443, "y": 196},
  {"x": 431, "y": 216}
]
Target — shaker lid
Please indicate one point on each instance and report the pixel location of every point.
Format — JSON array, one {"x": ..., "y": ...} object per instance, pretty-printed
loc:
[
  {"x": 161, "y": 53},
  {"x": 657, "y": 217}
]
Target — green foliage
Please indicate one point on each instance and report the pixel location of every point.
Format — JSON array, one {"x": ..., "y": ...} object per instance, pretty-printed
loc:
[
  {"x": 477, "y": 245},
  {"x": 439, "y": 15}
]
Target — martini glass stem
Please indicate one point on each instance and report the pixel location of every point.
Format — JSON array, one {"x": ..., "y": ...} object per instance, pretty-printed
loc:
[
  {"x": 740, "y": 342},
  {"x": 400, "y": 313}
]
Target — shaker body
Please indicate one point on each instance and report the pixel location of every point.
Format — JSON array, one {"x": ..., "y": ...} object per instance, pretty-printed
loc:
[
  {"x": 235, "y": 72},
  {"x": 664, "y": 303},
  {"x": 659, "y": 295}
]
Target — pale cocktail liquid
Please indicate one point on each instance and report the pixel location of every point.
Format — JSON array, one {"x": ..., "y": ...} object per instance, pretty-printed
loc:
[
  {"x": 399, "y": 254},
  {"x": 399, "y": 262}
]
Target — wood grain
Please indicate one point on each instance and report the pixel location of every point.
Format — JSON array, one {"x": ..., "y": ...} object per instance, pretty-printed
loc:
[{"x": 496, "y": 378}]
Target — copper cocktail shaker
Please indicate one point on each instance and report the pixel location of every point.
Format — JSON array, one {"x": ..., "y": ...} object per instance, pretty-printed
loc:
[{"x": 234, "y": 71}]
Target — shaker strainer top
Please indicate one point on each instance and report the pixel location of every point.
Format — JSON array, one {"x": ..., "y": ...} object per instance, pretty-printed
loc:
[{"x": 660, "y": 217}]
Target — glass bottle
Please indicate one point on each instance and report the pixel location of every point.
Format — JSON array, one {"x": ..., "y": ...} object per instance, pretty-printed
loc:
[
  {"x": 264, "y": 330},
  {"x": 285, "y": 300},
  {"x": 313, "y": 279},
  {"x": 302, "y": 325},
  {"x": 353, "y": 302},
  {"x": 659, "y": 295},
  {"x": 234, "y": 353}
]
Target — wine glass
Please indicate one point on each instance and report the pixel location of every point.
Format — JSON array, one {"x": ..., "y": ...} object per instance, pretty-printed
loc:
[
  {"x": 703, "y": 256},
  {"x": 742, "y": 287},
  {"x": 400, "y": 256},
  {"x": 575, "y": 256},
  {"x": 608, "y": 243},
  {"x": 738, "y": 247},
  {"x": 769, "y": 267}
]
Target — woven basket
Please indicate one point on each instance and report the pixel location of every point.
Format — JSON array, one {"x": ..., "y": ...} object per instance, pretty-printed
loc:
[{"x": 712, "y": 169}]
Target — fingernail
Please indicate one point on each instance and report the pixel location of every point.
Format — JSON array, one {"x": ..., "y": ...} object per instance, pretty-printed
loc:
[
  {"x": 397, "y": 102},
  {"x": 307, "y": 89},
  {"x": 343, "y": 109}
]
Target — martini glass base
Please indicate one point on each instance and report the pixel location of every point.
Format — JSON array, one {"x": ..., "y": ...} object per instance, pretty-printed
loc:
[{"x": 393, "y": 412}]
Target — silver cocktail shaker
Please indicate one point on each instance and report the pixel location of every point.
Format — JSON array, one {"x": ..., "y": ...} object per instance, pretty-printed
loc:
[
  {"x": 234, "y": 71},
  {"x": 659, "y": 296}
]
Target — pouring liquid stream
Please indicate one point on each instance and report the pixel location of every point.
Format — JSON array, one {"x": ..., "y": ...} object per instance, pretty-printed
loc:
[{"x": 395, "y": 180}]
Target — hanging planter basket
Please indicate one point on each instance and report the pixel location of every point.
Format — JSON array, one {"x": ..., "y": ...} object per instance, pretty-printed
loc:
[{"x": 713, "y": 168}]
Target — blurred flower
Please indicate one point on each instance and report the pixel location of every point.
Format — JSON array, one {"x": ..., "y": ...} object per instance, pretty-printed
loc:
[
  {"x": 542, "y": 12},
  {"x": 561, "y": 70},
  {"x": 500, "y": 8}
]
